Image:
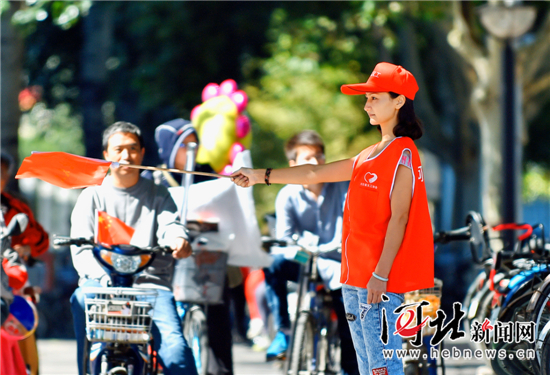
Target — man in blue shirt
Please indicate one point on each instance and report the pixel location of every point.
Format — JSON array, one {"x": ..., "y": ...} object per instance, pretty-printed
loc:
[{"x": 317, "y": 209}]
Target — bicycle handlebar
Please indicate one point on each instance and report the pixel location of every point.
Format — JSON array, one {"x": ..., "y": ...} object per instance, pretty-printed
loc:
[
  {"x": 444, "y": 237},
  {"x": 67, "y": 241},
  {"x": 59, "y": 241},
  {"x": 513, "y": 226}
]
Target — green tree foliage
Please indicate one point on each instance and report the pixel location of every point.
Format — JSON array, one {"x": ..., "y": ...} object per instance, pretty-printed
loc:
[
  {"x": 290, "y": 57},
  {"x": 536, "y": 183},
  {"x": 55, "y": 129},
  {"x": 313, "y": 51},
  {"x": 49, "y": 122},
  {"x": 64, "y": 14}
]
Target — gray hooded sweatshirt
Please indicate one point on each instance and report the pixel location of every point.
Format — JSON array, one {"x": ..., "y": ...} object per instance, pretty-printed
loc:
[{"x": 146, "y": 207}]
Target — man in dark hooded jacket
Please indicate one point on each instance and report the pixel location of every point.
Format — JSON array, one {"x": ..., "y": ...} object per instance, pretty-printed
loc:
[{"x": 172, "y": 138}]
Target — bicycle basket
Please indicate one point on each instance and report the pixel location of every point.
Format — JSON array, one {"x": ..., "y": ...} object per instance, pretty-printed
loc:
[
  {"x": 118, "y": 314},
  {"x": 433, "y": 296},
  {"x": 200, "y": 278}
]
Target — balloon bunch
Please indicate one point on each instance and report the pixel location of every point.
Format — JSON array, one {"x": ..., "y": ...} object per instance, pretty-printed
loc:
[{"x": 223, "y": 130}]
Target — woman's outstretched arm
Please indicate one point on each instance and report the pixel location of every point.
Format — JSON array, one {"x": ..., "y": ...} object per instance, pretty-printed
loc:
[{"x": 299, "y": 175}]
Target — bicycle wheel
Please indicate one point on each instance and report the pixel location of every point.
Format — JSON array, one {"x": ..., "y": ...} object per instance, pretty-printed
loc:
[
  {"x": 484, "y": 310},
  {"x": 195, "y": 332},
  {"x": 327, "y": 352},
  {"x": 545, "y": 356},
  {"x": 541, "y": 317},
  {"x": 473, "y": 301},
  {"x": 303, "y": 348},
  {"x": 510, "y": 364},
  {"x": 334, "y": 352}
]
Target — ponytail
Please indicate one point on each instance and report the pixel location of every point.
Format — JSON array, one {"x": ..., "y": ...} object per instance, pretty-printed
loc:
[{"x": 409, "y": 125}]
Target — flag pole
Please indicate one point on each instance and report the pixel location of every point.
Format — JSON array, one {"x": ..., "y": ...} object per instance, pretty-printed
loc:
[
  {"x": 187, "y": 180},
  {"x": 169, "y": 170}
]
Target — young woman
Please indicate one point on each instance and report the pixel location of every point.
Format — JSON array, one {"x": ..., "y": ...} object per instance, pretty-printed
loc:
[{"x": 387, "y": 247}]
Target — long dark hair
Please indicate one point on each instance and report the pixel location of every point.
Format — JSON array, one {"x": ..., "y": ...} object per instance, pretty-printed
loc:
[{"x": 409, "y": 125}]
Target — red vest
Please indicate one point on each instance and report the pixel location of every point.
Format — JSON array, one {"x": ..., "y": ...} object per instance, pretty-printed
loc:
[{"x": 366, "y": 217}]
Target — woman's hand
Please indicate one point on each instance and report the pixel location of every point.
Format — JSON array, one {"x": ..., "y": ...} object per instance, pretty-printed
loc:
[
  {"x": 375, "y": 289},
  {"x": 247, "y": 177}
]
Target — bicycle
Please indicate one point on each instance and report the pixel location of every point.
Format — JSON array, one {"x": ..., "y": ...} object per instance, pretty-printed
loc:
[
  {"x": 502, "y": 293},
  {"x": 424, "y": 364},
  {"x": 315, "y": 342},
  {"x": 544, "y": 365},
  {"x": 198, "y": 282},
  {"x": 523, "y": 273}
]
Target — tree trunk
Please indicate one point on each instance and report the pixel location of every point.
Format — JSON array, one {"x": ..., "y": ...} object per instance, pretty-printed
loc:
[
  {"x": 486, "y": 102},
  {"x": 11, "y": 63},
  {"x": 98, "y": 36},
  {"x": 447, "y": 133}
]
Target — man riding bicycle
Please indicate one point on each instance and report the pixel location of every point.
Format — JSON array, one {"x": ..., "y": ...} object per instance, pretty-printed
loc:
[
  {"x": 317, "y": 209},
  {"x": 151, "y": 211}
]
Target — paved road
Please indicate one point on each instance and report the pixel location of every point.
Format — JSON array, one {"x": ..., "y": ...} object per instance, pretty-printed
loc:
[{"x": 57, "y": 357}]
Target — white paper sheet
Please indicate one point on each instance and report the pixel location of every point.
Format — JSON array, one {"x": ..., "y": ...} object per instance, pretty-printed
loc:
[{"x": 234, "y": 207}]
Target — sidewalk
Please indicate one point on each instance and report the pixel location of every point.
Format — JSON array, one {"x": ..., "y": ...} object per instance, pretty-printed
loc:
[{"x": 58, "y": 357}]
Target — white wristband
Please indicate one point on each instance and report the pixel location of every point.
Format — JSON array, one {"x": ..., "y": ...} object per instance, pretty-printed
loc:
[{"x": 379, "y": 277}]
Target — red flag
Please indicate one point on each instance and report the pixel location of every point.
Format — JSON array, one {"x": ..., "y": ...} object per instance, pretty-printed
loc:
[
  {"x": 112, "y": 231},
  {"x": 64, "y": 170}
]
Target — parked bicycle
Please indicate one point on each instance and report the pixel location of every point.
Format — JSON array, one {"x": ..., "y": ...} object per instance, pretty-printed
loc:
[
  {"x": 502, "y": 293},
  {"x": 544, "y": 350},
  {"x": 424, "y": 363}
]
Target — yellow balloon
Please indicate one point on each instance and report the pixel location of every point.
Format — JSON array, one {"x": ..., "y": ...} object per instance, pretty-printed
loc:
[
  {"x": 217, "y": 105},
  {"x": 216, "y": 135},
  {"x": 215, "y": 124}
]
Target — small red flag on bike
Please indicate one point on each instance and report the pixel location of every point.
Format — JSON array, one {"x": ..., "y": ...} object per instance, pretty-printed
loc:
[
  {"x": 65, "y": 170},
  {"x": 112, "y": 231}
]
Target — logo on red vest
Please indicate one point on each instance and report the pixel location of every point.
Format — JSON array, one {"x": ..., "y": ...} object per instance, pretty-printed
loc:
[
  {"x": 380, "y": 371},
  {"x": 370, "y": 178}
]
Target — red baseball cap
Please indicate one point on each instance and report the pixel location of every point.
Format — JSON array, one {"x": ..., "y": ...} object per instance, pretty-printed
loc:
[{"x": 385, "y": 77}]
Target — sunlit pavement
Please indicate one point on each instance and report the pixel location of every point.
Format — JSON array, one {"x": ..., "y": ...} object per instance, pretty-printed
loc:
[{"x": 57, "y": 357}]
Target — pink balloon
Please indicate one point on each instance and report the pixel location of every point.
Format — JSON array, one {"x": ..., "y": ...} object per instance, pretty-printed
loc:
[
  {"x": 227, "y": 170},
  {"x": 211, "y": 90},
  {"x": 240, "y": 98},
  {"x": 235, "y": 149},
  {"x": 242, "y": 126},
  {"x": 228, "y": 87},
  {"x": 195, "y": 111}
]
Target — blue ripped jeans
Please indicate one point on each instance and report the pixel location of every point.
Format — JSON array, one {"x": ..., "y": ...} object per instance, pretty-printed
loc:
[{"x": 365, "y": 323}]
